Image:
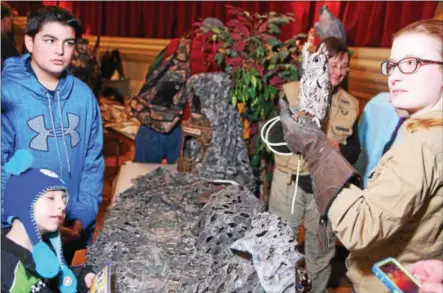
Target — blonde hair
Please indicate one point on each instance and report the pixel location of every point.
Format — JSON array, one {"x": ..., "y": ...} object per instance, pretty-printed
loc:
[{"x": 430, "y": 27}]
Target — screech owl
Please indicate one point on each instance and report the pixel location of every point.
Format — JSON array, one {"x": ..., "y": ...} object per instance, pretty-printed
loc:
[{"x": 315, "y": 87}]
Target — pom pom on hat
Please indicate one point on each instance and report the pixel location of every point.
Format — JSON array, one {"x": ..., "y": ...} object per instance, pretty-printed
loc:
[
  {"x": 46, "y": 261},
  {"x": 67, "y": 282},
  {"x": 20, "y": 162}
]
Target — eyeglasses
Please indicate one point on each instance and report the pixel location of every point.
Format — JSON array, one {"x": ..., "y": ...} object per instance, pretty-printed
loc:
[
  {"x": 408, "y": 65},
  {"x": 339, "y": 68}
]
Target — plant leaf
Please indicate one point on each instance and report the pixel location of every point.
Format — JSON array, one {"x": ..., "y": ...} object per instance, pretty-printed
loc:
[
  {"x": 236, "y": 36},
  {"x": 254, "y": 81},
  {"x": 274, "y": 59},
  {"x": 240, "y": 46},
  {"x": 275, "y": 81},
  {"x": 274, "y": 29},
  {"x": 260, "y": 52},
  {"x": 234, "y": 100},
  {"x": 267, "y": 37},
  {"x": 274, "y": 42},
  {"x": 243, "y": 30},
  {"x": 251, "y": 92},
  {"x": 263, "y": 27},
  {"x": 247, "y": 78},
  {"x": 219, "y": 57},
  {"x": 259, "y": 68},
  {"x": 283, "y": 55}
]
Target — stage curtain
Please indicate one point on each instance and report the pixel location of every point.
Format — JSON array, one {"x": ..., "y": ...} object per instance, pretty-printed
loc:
[
  {"x": 368, "y": 23},
  {"x": 23, "y": 7}
]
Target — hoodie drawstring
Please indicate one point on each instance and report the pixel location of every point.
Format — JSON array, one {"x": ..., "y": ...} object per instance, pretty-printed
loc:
[
  {"x": 63, "y": 133},
  {"x": 55, "y": 133}
]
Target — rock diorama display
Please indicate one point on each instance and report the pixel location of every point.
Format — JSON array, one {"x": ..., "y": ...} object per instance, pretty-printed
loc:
[{"x": 175, "y": 232}]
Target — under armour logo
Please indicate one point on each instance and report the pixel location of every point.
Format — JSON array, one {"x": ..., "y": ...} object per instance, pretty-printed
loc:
[{"x": 40, "y": 141}]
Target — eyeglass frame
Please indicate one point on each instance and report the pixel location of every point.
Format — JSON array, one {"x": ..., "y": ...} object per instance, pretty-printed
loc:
[
  {"x": 420, "y": 62},
  {"x": 341, "y": 68}
]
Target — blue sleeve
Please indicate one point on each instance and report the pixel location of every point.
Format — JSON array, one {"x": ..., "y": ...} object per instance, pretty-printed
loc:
[
  {"x": 91, "y": 185},
  {"x": 8, "y": 146},
  {"x": 363, "y": 127},
  {"x": 362, "y": 161}
]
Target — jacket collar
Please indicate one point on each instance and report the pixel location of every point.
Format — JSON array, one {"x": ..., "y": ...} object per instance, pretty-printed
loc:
[{"x": 431, "y": 114}]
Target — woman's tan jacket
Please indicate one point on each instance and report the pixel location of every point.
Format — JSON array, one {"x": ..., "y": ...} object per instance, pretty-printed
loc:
[{"x": 400, "y": 214}]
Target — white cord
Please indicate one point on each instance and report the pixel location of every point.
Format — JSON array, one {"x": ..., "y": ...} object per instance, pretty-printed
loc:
[
  {"x": 264, "y": 133},
  {"x": 222, "y": 181},
  {"x": 295, "y": 187},
  {"x": 265, "y": 136}
]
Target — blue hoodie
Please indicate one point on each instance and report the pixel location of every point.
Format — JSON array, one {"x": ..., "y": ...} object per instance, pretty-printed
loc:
[
  {"x": 63, "y": 130},
  {"x": 377, "y": 124}
]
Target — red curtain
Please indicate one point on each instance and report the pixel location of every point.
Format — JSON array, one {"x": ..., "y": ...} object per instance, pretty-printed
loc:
[
  {"x": 23, "y": 7},
  {"x": 369, "y": 24}
]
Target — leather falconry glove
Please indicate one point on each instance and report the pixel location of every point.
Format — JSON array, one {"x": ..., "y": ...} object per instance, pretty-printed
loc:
[{"x": 328, "y": 169}]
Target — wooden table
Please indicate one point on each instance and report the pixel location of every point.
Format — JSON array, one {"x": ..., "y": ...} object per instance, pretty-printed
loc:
[{"x": 130, "y": 170}]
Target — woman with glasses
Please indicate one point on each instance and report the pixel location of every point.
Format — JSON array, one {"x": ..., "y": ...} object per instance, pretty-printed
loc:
[
  {"x": 341, "y": 129},
  {"x": 399, "y": 214}
]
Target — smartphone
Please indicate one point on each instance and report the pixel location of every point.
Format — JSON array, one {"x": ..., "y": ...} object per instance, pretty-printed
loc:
[{"x": 395, "y": 276}]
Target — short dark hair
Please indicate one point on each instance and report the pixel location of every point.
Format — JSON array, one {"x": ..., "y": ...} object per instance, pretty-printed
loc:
[
  {"x": 335, "y": 47},
  {"x": 41, "y": 16},
  {"x": 6, "y": 10}
]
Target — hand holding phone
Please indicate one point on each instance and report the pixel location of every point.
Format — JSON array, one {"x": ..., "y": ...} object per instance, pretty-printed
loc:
[
  {"x": 395, "y": 276},
  {"x": 429, "y": 273}
]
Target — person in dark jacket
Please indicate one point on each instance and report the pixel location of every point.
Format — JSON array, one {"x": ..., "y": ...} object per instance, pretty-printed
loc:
[
  {"x": 152, "y": 146},
  {"x": 32, "y": 257}
]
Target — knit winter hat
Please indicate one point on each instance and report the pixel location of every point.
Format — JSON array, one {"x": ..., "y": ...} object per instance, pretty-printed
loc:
[{"x": 23, "y": 188}]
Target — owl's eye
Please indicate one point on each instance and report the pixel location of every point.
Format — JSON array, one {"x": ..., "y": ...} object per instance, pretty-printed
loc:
[{"x": 316, "y": 59}]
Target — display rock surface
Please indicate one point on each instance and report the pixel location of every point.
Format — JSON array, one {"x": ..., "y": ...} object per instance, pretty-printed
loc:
[
  {"x": 227, "y": 154},
  {"x": 160, "y": 238}
]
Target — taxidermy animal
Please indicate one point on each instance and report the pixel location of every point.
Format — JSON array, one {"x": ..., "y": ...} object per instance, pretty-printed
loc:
[
  {"x": 315, "y": 87},
  {"x": 329, "y": 25}
]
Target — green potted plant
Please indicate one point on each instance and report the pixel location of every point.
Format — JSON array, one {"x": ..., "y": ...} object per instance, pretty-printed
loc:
[{"x": 248, "y": 48}]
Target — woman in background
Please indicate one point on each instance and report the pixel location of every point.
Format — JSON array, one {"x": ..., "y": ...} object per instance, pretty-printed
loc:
[{"x": 399, "y": 213}]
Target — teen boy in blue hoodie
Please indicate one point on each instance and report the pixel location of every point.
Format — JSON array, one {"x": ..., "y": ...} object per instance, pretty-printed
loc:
[{"x": 56, "y": 116}]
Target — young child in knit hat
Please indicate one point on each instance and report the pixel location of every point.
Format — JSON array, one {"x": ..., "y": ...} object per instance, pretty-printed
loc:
[{"x": 31, "y": 253}]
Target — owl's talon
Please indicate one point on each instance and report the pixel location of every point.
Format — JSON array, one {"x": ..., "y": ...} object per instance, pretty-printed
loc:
[{"x": 301, "y": 117}]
